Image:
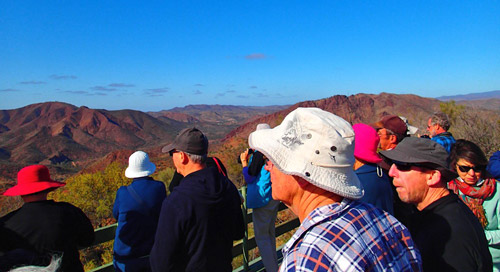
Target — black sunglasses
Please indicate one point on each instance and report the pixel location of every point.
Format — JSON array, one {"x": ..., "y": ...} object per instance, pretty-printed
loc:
[
  {"x": 171, "y": 152},
  {"x": 466, "y": 169},
  {"x": 406, "y": 166}
]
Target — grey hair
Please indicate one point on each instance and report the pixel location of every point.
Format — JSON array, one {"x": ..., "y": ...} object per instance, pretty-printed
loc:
[
  {"x": 441, "y": 119},
  {"x": 199, "y": 159},
  {"x": 54, "y": 265}
]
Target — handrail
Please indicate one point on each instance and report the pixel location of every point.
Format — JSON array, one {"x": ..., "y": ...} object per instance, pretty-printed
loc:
[{"x": 242, "y": 247}]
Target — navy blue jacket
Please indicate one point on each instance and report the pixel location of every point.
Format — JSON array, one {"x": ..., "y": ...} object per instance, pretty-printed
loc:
[
  {"x": 494, "y": 165},
  {"x": 137, "y": 219},
  {"x": 198, "y": 223},
  {"x": 377, "y": 188}
]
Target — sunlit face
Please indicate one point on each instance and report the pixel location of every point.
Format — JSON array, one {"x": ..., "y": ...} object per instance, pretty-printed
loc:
[
  {"x": 282, "y": 185},
  {"x": 431, "y": 128},
  {"x": 411, "y": 185},
  {"x": 471, "y": 176},
  {"x": 385, "y": 139}
]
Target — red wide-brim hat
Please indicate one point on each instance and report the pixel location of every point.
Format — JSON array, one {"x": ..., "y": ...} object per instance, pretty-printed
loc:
[{"x": 33, "y": 179}]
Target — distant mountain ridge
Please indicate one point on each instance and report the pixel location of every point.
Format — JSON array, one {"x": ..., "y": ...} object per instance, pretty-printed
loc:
[{"x": 472, "y": 96}]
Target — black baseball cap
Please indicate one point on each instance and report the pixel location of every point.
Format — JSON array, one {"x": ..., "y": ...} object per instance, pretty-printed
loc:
[
  {"x": 419, "y": 150},
  {"x": 190, "y": 140}
]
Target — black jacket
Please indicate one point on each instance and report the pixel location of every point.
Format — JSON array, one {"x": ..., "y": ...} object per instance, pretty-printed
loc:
[
  {"x": 450, "y": 238},
  {"x": 47, "y": 228},
  {"x": 198, "y": 222}
]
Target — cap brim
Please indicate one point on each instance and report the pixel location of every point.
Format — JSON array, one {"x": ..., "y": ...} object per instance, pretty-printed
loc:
[
  {"x": 396, "y": 155},
  {"x": 168, "y": 148},
  {"x": 377, "y": 125}
]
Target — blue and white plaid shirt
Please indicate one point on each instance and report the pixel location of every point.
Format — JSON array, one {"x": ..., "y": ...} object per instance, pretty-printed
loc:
[{"x": 351, "y": 236}]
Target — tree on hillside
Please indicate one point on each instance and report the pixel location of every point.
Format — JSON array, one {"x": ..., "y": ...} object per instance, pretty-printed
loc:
[{"x": 479, "y": 126}]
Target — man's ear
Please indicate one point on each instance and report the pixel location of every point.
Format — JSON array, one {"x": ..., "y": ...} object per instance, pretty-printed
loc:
[
  {"x": 184, "y": 157},
  {"x": 433, "y": 178},
  {"x": 393, "y": 139}
]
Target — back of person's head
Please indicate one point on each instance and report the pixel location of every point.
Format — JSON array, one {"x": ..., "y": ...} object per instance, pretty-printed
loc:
[
  {"x": 470, "y": 152},
  {"x": 314, "y": 145},
  {"x": 441, "y": 119}
]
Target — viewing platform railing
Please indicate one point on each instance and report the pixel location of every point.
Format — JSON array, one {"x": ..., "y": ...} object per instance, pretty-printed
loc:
[{"x": 241, "y": 247}]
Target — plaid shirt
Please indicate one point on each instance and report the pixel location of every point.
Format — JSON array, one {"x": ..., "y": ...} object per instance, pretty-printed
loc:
[
  {"x": 445, "y": 139},
  {"x": 351, "y": 236}
]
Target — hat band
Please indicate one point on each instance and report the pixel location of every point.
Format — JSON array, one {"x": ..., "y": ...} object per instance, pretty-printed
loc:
[{"x": 332, "y": 166}]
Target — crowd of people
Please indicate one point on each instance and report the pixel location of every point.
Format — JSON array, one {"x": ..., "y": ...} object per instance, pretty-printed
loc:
[{"x": 369, "y": 197}]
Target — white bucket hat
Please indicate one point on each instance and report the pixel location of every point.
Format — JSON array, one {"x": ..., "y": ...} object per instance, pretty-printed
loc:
[
  {"x": 139, "y": 165},
  {"x": 411, "y": 129},
  {"x": 315, "y": 145}
]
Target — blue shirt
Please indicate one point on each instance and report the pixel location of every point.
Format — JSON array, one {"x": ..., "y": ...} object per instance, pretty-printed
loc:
[
  {"x": 351, "y": 236},
  {"x": 258, "y": 188},
  {"x": 445, "y": 139}
]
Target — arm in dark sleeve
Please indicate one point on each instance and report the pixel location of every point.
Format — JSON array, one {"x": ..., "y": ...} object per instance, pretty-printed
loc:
[
  {"x": 83, "y": 228},
  {"x": 237, "y": 213},
  {"x": 116, "y": 206},
  {"x": 168, "y": 239},
  {"x": 248, "y": 178}
]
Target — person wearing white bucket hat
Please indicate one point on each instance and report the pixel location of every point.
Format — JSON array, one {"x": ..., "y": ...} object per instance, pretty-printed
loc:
[
  {"x": 137, "y": 209},
  {"x": 311, "y": 156}
]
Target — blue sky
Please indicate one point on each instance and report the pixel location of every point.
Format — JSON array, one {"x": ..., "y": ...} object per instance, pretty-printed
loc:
[{"x": 154, "y": 55}]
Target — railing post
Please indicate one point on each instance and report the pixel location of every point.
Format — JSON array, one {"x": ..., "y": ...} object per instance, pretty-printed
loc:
[{"x": 245, "y": 238}]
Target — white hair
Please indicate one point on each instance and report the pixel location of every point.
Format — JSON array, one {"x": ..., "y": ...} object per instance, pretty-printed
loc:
[{"x": 199, "y": 159}]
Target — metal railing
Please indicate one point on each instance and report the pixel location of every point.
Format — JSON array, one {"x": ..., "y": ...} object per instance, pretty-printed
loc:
[{"x": 242, "y": 247}]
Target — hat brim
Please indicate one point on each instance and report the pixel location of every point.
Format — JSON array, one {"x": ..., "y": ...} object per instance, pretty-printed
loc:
[
  {"x": 31, "y": 188},
  {"x": 168, "y": 148},
  {"x": 371, "y": 158},
  {"x": 130, "y": 173},
  {"x": 342, "y": 181}
]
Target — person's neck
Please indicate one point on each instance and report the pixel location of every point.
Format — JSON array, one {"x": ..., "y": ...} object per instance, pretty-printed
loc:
[
  {"x": 358, "y": 164},
  {"x": 440, "y": 130},
  {"x": 193, "y": 167},
  {"x": 34, "y": 197},
  {"x": 432, "y": 195},
  {"x": 312, "y": 198}
]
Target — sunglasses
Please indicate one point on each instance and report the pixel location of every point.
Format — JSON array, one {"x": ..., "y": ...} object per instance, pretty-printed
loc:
[
  {"x": 466, "y": 169},
  {"x": 171, "y": 152},
  {"x": 406, "y": 166}
]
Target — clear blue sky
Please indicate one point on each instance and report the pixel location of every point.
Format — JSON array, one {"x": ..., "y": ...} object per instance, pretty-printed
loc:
[{"x": 154, "y": 55}]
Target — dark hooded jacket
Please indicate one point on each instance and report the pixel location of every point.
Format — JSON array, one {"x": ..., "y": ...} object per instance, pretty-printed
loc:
[{"x": 198, "y": 223}]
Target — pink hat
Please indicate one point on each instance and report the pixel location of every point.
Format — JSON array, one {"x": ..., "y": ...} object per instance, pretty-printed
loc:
[
  {"x": 33, "y": 179},
  {"x": 366, "y": 142}
]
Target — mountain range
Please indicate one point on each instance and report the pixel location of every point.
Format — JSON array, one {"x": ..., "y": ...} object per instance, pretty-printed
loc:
[{"x": 73, "y": 138}]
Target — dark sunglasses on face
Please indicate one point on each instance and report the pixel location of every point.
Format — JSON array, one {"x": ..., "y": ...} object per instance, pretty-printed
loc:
[
  {"x": 171, "y": 152},
  {"x": 406, "y": 166},
  {"x": 466, "y": 169}
]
